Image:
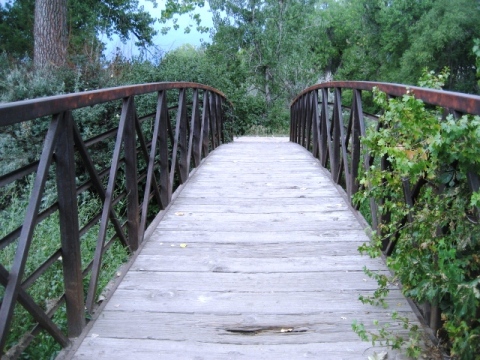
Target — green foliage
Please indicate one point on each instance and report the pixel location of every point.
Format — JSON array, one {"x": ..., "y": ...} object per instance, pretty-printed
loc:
[
  {"x": 87, "y": 21},
  {"x": 16, "y": 27},
  {"x": 476, "y": 52},
  {"x": 394, "y": 41},
  {"x": 436, "y": 254}
]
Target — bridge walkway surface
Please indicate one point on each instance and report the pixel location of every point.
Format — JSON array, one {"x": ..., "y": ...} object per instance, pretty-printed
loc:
[{"x": 256, "y": 258}]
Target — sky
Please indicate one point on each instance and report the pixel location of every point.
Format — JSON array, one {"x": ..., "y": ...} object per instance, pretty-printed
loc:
[{"x": 170, "y": 41}]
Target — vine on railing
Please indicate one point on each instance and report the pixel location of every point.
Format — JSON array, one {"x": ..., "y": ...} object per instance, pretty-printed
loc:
[
  {"x": 90, "y": 191},
  {"x": 416, "y": 167}
]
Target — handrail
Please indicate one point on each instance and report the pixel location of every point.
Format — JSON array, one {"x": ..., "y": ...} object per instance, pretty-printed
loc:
[
  {"x": 318, "y": 124},
  {"x": 148, "y": 158}
]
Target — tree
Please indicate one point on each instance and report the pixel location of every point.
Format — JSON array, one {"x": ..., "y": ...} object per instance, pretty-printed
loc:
[
  {"x": 269, "y": 40},
  {"x": 50, "y": 33},
  {"x": 76, "y": 28},
  {"x": 16, "y": 28}
]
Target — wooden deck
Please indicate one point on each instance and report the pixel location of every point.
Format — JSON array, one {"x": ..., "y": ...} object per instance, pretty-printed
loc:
[{"x": 255, "y": 259}]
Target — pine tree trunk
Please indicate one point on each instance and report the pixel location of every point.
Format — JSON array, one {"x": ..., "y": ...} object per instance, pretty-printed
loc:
[{"x": 50, "y": 33}]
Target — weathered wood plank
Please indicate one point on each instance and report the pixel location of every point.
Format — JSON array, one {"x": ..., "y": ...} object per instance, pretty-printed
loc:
[
  {"x": 240, "y": 246},
  {"x": 255, "y": 226},
  {"x": 146, "y": 349},
  {"x": 232, "y": 302},
  {"x": 212, "y": 263},
  {"x": 266, "y": 236},
  {"x": 256, "y": 282},
  {"x": 237, "y": 329},
  {"x": 255, "y": 259}
]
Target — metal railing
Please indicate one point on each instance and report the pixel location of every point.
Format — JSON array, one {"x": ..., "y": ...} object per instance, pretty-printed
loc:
[
  {"x": 332, "y": 132},
  {"x": 131, "y": 168}
]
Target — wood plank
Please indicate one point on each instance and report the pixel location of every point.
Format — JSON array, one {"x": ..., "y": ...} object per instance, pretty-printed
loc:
[
  {"x": 325, "y": 237},
  {"x": 232, "y": 302},
  {"x": 192, "y": 262},
  {"x": 278, "y": 246},
  {"x": 251, "y": 226},
  {"x": 284, "y": 217},
  {"x": 256, "y": 282},
  {"x": 146, "y": 349},
  {"x": 264, "y": 329},
  {"x": 255, "y": 259}
]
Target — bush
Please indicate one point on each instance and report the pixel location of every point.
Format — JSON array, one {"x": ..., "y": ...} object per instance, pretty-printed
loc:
[{"x": 436, "y": 253}]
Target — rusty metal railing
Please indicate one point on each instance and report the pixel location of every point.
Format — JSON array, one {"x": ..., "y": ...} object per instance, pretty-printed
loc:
[
  {"x": 131, "y": 169},
  {"x": 318, "y": 123}
]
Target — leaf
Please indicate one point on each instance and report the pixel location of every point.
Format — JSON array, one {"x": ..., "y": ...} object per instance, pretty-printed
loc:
[
  {"x": 183, "y": 245},
  {"x": 180, "y": 214},
  {"x": 380, "y": 356}
]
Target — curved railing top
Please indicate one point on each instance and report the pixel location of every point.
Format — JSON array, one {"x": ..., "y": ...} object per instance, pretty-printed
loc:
[
  {"x": 465, "y": 103},
  {"x": 15, "y": 112}
]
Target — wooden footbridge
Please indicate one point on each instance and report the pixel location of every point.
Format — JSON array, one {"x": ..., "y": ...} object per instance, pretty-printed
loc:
[
  {"x": 256, "y": 258},
  {"x": 253, "y": 253}
]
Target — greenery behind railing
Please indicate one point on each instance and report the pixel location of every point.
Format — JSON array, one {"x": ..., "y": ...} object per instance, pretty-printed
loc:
[
  {"x": 83, "y": 175},
  {"x": 413, "y": 171}
]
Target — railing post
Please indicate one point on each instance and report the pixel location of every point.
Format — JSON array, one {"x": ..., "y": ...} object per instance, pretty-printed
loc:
[
  {"x": 213, "y": 121},
  {"x": 205, "y": 122},
  {"x": 220, "y": 129},
  {"x": 308, "y": 120},
  {"x": 163, "y": 119},
  {"x": 69, "y": 228},
  {"x": 180, "y": 142},
  {"x": 195, "y": 128},
  {"x": 323, "y": 129},
  {"x": 316, "y": 125},
  {"x": 130, "y": 144},
  {"x": 303, "y": 120},
  {"x": 335, "y": 133}
]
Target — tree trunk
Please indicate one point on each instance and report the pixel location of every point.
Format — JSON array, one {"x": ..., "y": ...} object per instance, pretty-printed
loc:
[
  {"x": 268, "y": 95},
  {"x": 50, "y": 33}
]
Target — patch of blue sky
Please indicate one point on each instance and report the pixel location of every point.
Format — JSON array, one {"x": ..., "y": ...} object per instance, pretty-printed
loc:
[{"x": 163, "y": 42}]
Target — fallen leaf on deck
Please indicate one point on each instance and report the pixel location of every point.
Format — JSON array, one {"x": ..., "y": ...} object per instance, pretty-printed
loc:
[
  {"x": 183, "y": 245},
  {"x": 380, "y": 356},
  {"x": 179, "y": 213}
]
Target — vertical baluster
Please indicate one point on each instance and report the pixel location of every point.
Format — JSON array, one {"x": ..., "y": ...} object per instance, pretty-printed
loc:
[
  {"x": 205, "y": 122},
  {"x": 308, "y": 120},
  {"x": 163, "y": 124},
  {"x": 298, "y": 127},
  {"x": 219, "y": 116},
  {"x": 181, "y": 139},
  {"x": 336, "y": 136},
  {"x": 316, "y": 125},
  {"x": 130, "y": 144},
  {"x": 303, "y": 120},
  {"x": 69, "y": 228},
  {"x": 295, "y": 122},
  {"x": 195, "y": 132},
  {"x": 323, "y": 128},
  {"x": 213, "y": 121}
]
